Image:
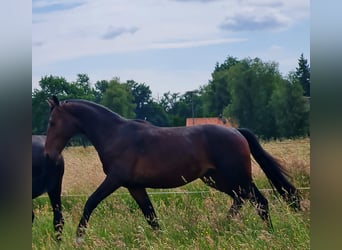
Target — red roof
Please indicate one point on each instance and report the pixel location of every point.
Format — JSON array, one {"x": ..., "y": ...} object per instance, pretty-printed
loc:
[{"x": 208, "y": 120}]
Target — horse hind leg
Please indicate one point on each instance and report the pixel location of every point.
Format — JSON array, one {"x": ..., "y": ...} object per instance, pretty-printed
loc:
[
  {"x": 261, "y": 205},
  {"x": 216, "y": 180},
  {"x": 236, "y": 206},
  {"x": 244, "y": 191},
  {"x": 141, "y": 197}
]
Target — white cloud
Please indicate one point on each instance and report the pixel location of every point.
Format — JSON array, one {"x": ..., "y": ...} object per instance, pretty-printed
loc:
[
  {"x": 253, "y": 23},
  {"x": 199, "y": 43},
  {"x": 156, "y": 21},
  {"x": 64, "y": 30},
  {"x": 114, "y": 32}
]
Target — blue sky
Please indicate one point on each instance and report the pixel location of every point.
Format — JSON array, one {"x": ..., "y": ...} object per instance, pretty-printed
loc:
[{"x": 171, "y": 45}]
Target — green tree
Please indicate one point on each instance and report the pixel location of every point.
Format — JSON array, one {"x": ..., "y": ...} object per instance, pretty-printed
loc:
[
  {"x": 216, "y": 95},
  {"x": 156, "y": 115},
  {"x": 168, "y": 101},
  {"x": 188, "y": 105},
  {"x": 251, "y": 85},
  {"x": 49, "y": 85},
  {"x": 142, "y": 96},
  {"x": 100, "y": 88},
  {"x": 81, "y": 89},
  {"x": 55, "y": 85},
  {"x": 303, "y": 74},
  {"x": 118, "y": 98},
  {"x": 290, "y": 108},
  {"x": 171, "y": 104}
]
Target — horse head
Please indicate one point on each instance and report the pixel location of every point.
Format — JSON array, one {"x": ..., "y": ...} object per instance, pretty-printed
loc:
[{"x": 61, "y": 127}]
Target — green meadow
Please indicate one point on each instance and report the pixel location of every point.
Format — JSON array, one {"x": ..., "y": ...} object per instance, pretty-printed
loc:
[{"x": 191, "y": 217}]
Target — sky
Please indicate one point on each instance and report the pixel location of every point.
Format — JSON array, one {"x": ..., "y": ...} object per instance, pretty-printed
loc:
[{"x": 170, "y": 45}]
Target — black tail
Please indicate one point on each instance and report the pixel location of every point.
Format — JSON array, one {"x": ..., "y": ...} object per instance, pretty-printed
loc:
[{"x": 274, "y": 171}]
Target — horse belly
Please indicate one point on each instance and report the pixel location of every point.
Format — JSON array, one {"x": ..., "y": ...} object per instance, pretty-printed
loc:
[
  {"x": 174, "y": 161},
  {"x": 168, "y": 175}
]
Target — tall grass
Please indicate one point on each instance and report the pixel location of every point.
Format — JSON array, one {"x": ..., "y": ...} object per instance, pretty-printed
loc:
[{"x": 188, "y": 221}]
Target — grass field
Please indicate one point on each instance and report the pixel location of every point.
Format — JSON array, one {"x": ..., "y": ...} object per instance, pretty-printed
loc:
[{"x": 190, "y": 220}]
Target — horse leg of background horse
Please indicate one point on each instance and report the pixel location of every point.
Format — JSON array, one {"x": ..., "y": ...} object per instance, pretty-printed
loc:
[
  {"x": 141, "y": 197},
  {"x": 58, "y": 220},
  {"x": 108, "y": 186}
]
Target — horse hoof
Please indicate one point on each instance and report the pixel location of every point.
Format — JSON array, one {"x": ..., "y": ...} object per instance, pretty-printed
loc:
[
  {"x": 78, "y": 241},
  {"x": 58, "y": 237}
]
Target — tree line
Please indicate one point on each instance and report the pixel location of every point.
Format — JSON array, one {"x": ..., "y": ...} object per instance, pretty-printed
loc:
[{"x": 249, "y": 92}]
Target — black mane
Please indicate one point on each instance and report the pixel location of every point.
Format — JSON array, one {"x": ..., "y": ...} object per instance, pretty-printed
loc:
[{"x": 95, "y": 106}]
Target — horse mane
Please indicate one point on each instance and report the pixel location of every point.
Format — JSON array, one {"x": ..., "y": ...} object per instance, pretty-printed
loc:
[
  {"x": 142, "y": 121},
  {"x": 93, "y": 105}
]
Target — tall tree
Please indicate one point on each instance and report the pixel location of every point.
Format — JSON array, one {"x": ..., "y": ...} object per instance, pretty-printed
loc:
[
  {"x": 170, "y": 102},
  {"x": 216, "y": 94},
  {"x": 118, "y": 98},
  {"x": 82, "y": 88},
  {"x": 303, "y": 74},
  {"x": 142, "y": 96},
  {"x": 49, "y": 85},
  {"x": 156, "y": 115},
  {"x": 100, "y": 88},
  {"x": 290, "y": 108},
  {"x": 251, "y": 85}
]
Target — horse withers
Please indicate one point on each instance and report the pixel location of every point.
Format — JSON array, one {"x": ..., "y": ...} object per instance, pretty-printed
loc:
[
  {"x": 47, "y": 177},
  {"x": 138, "y": 155}
]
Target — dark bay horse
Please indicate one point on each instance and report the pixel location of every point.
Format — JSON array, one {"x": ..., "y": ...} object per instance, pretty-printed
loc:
[
  {"x": 47, "y": 177},
  {"x": 137, "y": 155}
]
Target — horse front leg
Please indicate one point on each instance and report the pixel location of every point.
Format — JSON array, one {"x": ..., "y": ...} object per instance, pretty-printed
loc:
[
  {"x": 141, "y": 197},
  {"x": 108, "y": 186},
  {"x": 58, "y": 220}
]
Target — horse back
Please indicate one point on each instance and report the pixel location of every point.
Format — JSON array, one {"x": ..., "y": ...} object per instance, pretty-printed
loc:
[{"x": 38, "y": 142}]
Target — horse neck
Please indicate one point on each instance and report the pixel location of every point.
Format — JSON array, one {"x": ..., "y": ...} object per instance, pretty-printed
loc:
[{"x": 96, "y": 123}]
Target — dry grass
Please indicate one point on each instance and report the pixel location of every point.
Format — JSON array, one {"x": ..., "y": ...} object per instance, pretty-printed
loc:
[
  {"x": 293, "y": 154},
  {"x": 83, "y": 170}
]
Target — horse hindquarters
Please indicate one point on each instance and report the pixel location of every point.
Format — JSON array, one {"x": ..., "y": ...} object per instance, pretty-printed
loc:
[
  {"x": 274, "y": 171},
  {"x": 233, "y": 175}
]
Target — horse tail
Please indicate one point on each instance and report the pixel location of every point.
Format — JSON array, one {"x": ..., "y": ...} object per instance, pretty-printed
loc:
[{"x": 274, "y": 171}]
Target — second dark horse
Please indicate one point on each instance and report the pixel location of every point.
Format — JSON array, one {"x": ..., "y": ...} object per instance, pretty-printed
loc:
[{"x": 47, "y": 177}]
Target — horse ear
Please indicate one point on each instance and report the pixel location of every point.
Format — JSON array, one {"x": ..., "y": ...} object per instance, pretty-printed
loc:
[{"x": 53, "y": 102}]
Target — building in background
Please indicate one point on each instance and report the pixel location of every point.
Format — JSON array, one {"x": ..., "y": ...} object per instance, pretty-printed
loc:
[{"x": 192, "y": 121}]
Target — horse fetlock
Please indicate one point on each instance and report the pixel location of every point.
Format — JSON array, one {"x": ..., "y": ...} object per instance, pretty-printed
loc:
[
  {"x": 80, "y": 231},
  {"x": 153, "y": 223},
  {"x": 58, "y": 235}
]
